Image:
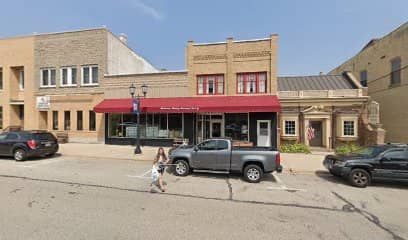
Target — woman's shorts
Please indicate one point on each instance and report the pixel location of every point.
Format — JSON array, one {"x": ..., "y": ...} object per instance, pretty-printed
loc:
[{"x": 161, "y": 168}]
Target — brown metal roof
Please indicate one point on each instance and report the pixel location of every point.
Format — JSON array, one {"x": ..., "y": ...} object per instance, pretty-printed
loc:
[{"x": 319, "y": 82}]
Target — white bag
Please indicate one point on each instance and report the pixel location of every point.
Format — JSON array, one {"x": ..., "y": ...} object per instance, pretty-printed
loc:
[{"x": 155, "y": 174}]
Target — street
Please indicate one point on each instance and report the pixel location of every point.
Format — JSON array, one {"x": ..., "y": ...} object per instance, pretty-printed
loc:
[{"x": 89, "y": 198}]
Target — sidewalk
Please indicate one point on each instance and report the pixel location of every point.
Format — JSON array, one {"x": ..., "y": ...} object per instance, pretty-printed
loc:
[
  {"x": 301, "y": 163},
  {"x": 292, "y": 162},
  {"x": 100, "y": 150}
]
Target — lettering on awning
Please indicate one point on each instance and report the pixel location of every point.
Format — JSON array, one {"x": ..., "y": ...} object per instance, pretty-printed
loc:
[{"x": 180, "y": 108}]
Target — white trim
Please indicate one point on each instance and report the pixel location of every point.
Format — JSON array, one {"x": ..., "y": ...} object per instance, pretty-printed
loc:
[
  {"x": 284, "y": 127},
  {"x": 69, "y": 76},
  {"x": 49, "y": 77},
  {"x": 91, "y": 80},
  {"x": 21, "y": 79}
]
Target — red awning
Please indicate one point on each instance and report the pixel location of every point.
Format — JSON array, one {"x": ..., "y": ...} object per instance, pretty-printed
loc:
[{"x": 265, "y": 103}]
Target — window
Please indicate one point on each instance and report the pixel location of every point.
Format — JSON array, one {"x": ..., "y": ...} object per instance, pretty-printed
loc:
[
  {"x": 12, "y": 136},
  {"x": 251, "y": 83},
  {"x": 396, "y": 154},
  {"x": 90, "y": 75},
  {"x": 54, "y": 120},
  {"x": 1, "y": 78},
  {"x": 68, "y": 76},
  {"x": 21, "y": 79},
  {"x": 79, "y": 121},
  {"x": 210, "y": 84},
  {"x": 290, "y": 127},
  {"x": 208, "y": 145},
  {"x": 363, "y": 78},
  {"x": 222, "y": 145},
  {"x": 48, "y": 77},
  {"x": 396, "y": 71},
  {"x": 348, "y": 128},
  {"x": 236, "y": 126},
  {"x": 92, "y": 121},
  {"x": 1, "y": 117},
  {"x": 67, "y": 120}
]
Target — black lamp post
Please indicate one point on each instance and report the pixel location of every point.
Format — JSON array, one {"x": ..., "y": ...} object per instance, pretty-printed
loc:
[{"x": 132, "y": 90}]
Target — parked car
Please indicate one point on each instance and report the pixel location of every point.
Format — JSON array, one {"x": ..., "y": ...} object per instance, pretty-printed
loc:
[
  {"x": 220, "y": 155},
  {"x": 24, "y": 144},
  {"x": 389, "y": 161}
]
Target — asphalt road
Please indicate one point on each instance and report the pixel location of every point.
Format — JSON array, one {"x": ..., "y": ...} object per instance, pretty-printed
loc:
[{"x": 72, "y": 198}]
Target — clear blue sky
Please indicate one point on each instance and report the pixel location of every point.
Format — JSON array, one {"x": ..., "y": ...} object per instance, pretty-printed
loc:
[{"x": 314, "y": 35}]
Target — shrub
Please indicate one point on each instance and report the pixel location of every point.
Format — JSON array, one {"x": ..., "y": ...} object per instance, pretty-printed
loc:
[
  {"x": 294, "y": 148},
  {"x": 347, "y": 149}
]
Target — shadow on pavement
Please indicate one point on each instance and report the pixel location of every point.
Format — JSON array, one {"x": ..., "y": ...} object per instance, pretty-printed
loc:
[
  {"x": 31, "y": 159},
  {"x": 236, "y": 176},
  {"x": 325, "y": 175}
]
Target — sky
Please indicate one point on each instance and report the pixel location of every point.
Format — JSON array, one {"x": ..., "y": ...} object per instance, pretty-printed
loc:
[{"x": 314, "y": 35}]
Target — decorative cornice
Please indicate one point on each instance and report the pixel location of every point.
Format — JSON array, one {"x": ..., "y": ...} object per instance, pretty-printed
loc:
[
  {"x": 209, "y": 57},
  {"x": 252, "y": 54}
]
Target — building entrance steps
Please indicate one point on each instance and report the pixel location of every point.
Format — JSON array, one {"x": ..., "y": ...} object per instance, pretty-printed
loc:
[{"x": 105, "y": 151}]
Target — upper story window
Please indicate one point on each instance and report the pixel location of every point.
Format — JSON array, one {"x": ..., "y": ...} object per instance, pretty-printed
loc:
[
  {"x": 21, "y": 79},
  {"x": 68, "y": 76},
  {"x": 251, "y": 82},
  {"x": 48, "y": 77},
  {"x": 363, "y": 78},
  {"x": 210, "y": 84},
  {"x": 89, "y": 75},
  {"x": 396, "y": 71}
]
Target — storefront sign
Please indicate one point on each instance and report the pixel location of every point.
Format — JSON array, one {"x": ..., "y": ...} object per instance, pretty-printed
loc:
[
  {"x": 180, "y": 108},
  {"x": 43, "y": 103},
  {"x": 135, "y": 106}
]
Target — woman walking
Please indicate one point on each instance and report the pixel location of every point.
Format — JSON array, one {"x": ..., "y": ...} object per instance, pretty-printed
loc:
[{"x": 159, "y": 162}]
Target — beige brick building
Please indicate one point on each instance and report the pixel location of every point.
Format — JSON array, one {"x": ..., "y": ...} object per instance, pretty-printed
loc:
[
  {"x": 63, "y": 79},
  {"x": 382, "y": 66},
  {"x": 335, "y": 106}
]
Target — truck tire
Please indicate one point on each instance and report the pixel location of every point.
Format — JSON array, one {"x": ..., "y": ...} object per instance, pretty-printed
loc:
[
  {"x": 19, "y": 154},
  {"x": 253, "y": 173},
  {"x": 359, "y": 178},
  {"x": 182, "y": 168}
]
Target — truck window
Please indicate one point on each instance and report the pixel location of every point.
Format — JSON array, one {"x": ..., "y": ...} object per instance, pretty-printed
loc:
[
  {"x": 208, "y": 145},
  {"x": 222, "y": 145}
]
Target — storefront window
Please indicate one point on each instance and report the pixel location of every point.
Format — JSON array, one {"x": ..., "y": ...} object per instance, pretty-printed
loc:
[
  {"x": 236, "y": 126},
  {"x": 151, "y": 125}
]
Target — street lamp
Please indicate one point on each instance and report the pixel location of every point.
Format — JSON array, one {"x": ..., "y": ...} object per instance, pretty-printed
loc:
[{"x": 136, "y": 109}]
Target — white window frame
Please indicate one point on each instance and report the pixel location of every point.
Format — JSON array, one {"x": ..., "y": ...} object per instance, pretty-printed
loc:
[
  {"x": 21, "y": 79},
  {"x": 69, "y": 76},
  {"x": 200, "y": 84},
  {"x": 351, "y": 119},
  {"x": 290, "y": 118},
  {"x": 91, "y": 80},
  {"x": 49, "y": 77}
]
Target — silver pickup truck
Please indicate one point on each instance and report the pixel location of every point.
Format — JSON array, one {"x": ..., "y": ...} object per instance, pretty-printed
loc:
[{"x": 220, "y": 155}]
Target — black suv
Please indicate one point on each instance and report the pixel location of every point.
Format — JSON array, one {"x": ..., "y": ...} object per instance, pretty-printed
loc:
[
  {"x": 389, "y": 161},
  {"x": 24, "y": 144}
]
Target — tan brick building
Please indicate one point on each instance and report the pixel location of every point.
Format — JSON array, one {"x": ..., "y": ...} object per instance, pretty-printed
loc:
[
  {"x": 217, "y": 74},
  {"x": 63, "y": 77},
  {"x": 382, "y": 66}
]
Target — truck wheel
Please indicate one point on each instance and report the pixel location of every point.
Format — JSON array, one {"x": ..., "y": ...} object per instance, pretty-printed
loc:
[
  {"x": 20, "y": 155},
  {"x": 359, "y": 178},
  {"x": 182, "y": 168},
  {"x": 253, "y": 173}
]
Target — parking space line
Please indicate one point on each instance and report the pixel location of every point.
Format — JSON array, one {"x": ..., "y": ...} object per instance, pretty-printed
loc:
[
  {"x": 277, "y": 178},
  {"x": 284, "y": 188}
]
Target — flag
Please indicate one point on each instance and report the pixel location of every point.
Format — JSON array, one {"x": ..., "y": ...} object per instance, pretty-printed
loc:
[{"x": 310, "y": 133}]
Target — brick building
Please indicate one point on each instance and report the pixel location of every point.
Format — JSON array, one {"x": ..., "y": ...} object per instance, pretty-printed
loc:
[
  {"x": 382, "y": 67},
  {"x": 52, "y": 81}
]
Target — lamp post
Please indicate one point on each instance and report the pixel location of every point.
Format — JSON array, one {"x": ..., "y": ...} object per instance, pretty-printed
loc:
[{"x": 136, "y": 109}]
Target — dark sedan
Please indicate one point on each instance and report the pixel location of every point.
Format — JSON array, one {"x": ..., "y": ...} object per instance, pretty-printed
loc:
[
  {"x": 389, "y": 161},
  {"x": 24, "y": 144}
]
